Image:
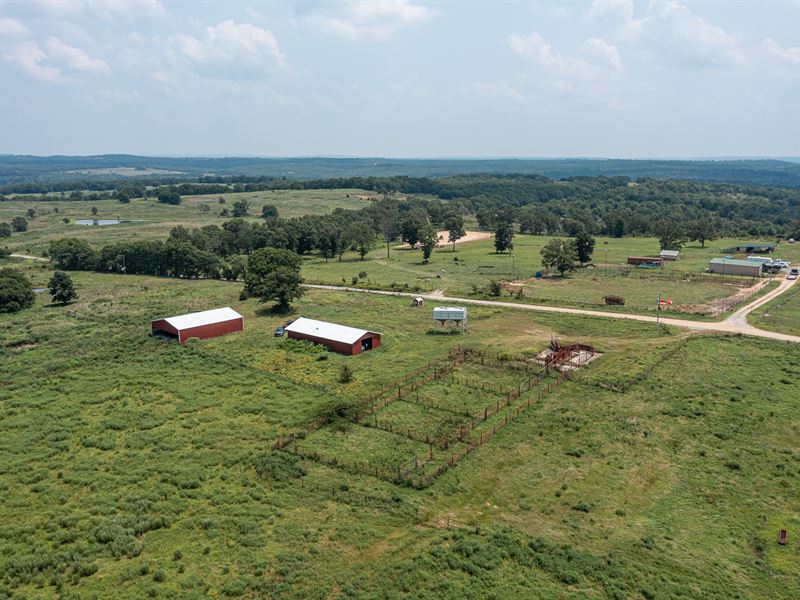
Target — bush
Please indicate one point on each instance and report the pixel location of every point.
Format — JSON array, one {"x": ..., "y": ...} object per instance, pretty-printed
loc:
[
  {"x": 16, "y": 291},
  {"x": 494, "y": 288},
  {"x": 345, "y": 374},
  {"x": 19, "y": 224},
  {"x": 5, "y": 230},
  {"x": 279, "y": 466}
]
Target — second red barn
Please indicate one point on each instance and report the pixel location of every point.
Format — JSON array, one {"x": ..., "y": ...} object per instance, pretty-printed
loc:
[{"x": 340, "y": 338}]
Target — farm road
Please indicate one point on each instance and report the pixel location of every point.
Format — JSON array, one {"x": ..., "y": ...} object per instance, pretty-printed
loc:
[{"x": 736, "y": 323}]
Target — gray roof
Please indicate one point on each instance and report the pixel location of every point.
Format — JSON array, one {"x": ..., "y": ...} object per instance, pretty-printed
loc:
[{"x": 737, "y": 262}]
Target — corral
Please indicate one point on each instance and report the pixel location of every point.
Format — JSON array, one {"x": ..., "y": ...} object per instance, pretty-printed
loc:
[{"x": 420, "y": 426}]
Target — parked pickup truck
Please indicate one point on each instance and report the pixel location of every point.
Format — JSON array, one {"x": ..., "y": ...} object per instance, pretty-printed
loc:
[{"x": 793, "y": 273}]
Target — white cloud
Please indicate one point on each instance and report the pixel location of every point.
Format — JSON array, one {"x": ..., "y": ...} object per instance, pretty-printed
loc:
[
  {"x": 230, "y": 50},
  {"x": 12, "y": 28},
  {"x": 601, "y": 53},
  {"x": 29, "y": 58},
  {"x": 681, "y": 38},
  {"x": 673, "y": 34},
  {"x": 597, "y": 59},
  {"x": 74, "y": 58},
  {"x": 785, "y": 56},
  {"x": 359, "y": 20}
]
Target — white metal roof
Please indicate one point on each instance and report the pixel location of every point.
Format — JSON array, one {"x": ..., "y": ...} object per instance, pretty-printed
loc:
[
  {"x": 328, "y": 331},
  {"x": 206, "y": 317},
  {"x": 670, "y": 252}
]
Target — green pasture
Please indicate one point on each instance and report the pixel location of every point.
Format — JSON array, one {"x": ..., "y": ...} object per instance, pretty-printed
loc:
[
  {"x": 133, "y": 467},
  {"x": 155, "y": 220},
  {"x": 781, "y": 314},
  {"x": 478, "y": 264}
]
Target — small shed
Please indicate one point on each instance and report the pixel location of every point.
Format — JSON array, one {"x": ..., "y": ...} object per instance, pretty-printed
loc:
[
  {"x": 339, "y": 338},
  {"x": 203, "y": 325},
  {"x": 727, "y": 266},
  {"x": 418, "y": 301},
  {"x": 670, "y": 254},
  {"x": 647, "y": 261}
]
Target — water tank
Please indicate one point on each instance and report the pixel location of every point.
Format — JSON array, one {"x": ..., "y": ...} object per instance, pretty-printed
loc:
[{"x": 449, "y": 313}]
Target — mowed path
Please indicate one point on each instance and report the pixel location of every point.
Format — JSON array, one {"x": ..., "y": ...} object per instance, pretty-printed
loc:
[{"x": 736, "y": 323}]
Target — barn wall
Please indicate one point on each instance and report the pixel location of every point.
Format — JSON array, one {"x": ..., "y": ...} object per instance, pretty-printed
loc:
[
  {"x": 211, "y": 330},
  {"x": 339, "y": 347},
  {"x": 162, "y": 325}
]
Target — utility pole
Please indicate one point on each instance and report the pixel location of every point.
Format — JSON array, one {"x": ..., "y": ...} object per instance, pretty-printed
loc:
[
  {"x": 606, "y": 251},
  {"x": 658, "y": 315},
  {"x": 513, "y": 270}
]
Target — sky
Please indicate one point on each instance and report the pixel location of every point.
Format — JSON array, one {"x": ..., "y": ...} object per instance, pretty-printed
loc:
[{"x": 401, "y": 78}]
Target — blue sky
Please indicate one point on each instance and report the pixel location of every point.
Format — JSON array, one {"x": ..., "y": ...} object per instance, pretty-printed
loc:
[{"x": 401, "y": 78}]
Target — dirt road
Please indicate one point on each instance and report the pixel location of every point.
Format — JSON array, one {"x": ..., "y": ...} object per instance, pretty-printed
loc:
[
  {"x": 29, "y": 257},
  {"x": 736, "y": 323}
]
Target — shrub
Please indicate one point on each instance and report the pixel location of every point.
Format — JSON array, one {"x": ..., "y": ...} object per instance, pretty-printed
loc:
[
  {"x": 16, "y": 291},
  {"x": 279, "y": 466},
  {"x": 345, "y": 374}
]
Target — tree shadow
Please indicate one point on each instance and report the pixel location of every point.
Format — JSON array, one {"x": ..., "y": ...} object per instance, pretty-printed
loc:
[{"x": 275, "y": 311}]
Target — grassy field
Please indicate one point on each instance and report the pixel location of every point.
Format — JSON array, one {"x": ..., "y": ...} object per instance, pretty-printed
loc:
[
  {"x": 155, "y": 220},
  {"x": 782, "y": 314},
  {"x": 133, "y": 467},
  {"x": 477, "y": 264}
]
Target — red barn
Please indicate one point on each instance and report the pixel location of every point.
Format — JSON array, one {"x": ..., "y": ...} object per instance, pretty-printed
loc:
[
  {"x": 340, "y": 338},
  {"x": 205, "y": 324}
]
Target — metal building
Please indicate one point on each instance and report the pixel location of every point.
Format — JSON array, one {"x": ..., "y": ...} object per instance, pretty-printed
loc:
[
  {"x": 205, "y": 324},
  {"x": 340, "y": 338},
  {"x": 731, "y": 266},
  {"x": 450, "y": 314}
]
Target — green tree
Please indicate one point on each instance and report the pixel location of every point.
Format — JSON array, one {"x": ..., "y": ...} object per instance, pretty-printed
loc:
[
  {"x": 584, "y": 246},
  {"x": 503, "y": 236},
  {"x": 703, "y": 231},
  {"x": 168, "y": 195},
  {"x": 19, "y": 224},
  {"x": 5, "y": 230},
  {"x": 671, "y": 235},
  {"x": 94, "y": 210},
  {"x": 16, "y": 291},
  {"x": 429, "y": 238},
  {"x": 454, "y": 224},
  {"x": 123, "y": 196},
  {"x": 31, "y": 213},
  {"x": 61, "y": 288},
  {"x": 411, "y": 226},
  {"x": 72, "y": 254},
  {"x": 361, "y": 238},
  {"x": 559, "y": 254},
  {"x": 240, "y": 208},
  {"x": 273, "y": 274},
  {"x": 269, "y": 211}
]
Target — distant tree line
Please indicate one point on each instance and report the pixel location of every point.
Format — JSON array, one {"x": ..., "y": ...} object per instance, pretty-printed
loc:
[{"x": 613, "y": 206}]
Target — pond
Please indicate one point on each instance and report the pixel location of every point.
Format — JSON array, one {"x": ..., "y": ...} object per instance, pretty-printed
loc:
[{"x": 105, "y": 221}]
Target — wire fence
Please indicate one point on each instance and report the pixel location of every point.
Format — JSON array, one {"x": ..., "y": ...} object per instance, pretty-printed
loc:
[{"x": 444, "y": 451}]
